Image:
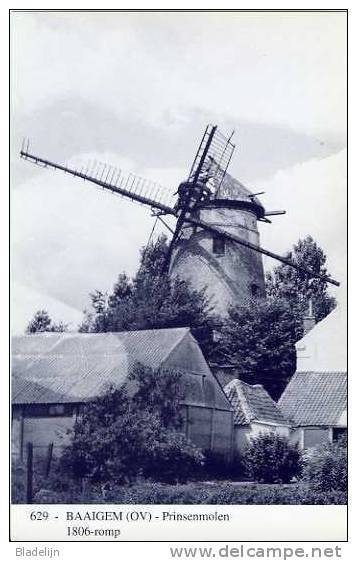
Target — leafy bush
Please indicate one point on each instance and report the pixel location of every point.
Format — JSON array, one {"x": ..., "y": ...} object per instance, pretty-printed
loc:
[
  {"x": 18, "y": 475},
  {"x": 271, "y": 458},
  {"x": 170, "y": 457},
  {"x": 132, "y": 432},
  {"x": 218, "y": 467},
  {"x": 325, "y": 469}
]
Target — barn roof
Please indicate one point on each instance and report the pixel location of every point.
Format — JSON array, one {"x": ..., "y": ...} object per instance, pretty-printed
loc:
[
  {"x": 76, "y": 367},
  {"x": 315, "y": 398},
  {"x": 253, "y": 403}
]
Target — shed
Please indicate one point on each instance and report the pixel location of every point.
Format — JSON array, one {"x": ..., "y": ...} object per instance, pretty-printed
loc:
[
  {"x": 54, "y": 373},
  {"x": 255, "y": 412}
]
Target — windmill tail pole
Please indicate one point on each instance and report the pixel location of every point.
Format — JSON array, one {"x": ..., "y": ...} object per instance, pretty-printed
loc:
[{"x": 254, "y": 247}]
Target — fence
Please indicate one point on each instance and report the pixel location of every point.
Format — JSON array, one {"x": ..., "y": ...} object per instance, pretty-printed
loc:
[{"x": 29, "y": 473}]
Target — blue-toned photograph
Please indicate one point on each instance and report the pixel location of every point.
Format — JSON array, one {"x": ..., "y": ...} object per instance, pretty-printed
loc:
[{"x": 178, "y": 258}]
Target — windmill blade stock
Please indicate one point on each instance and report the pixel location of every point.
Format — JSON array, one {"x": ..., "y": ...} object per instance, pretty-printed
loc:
[
  {"x": 114, "y": 180},
  {"x": 254, "y": 247}
]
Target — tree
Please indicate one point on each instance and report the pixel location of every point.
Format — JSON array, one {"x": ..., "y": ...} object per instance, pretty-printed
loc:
[
  {"x": 151, "y": 300},
  {"x": 41, "y": 322},
  {"x": 259, "y": 340},
  {"x": 296, "y": 288},
  {"x": 133, "y": 430},
  {"x": 159, "y": 392}
]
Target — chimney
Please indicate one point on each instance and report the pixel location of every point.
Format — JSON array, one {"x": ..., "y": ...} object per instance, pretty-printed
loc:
[{"x": 309, "y": 320}]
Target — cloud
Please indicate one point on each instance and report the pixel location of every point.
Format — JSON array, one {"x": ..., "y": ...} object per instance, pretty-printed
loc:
[
  {"x": 25, "y": 302},
  {"x": 286, "y": 69},
  {"x": 136, "y": 90},
  {"x": 70, "y": 237},
  {"x": 315, "y": 196}
]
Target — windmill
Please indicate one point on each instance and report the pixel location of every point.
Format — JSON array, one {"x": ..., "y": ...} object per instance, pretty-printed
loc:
[{"x": 215, "y": 242}]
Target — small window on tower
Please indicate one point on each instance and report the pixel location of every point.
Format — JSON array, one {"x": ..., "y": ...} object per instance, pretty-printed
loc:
[
  {"x": 218, "y": 245},
  {"x": 255, "y": 290}
]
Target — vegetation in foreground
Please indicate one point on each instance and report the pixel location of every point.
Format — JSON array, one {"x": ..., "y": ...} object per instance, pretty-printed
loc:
[
  {"x": 323, "y": 480},
  {"x": 194, "y": 492}
]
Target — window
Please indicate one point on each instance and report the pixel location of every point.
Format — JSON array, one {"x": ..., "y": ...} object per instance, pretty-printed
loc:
[
  {"x": 218, "y": 245},
  {"x": 255, "y": 289},
  {"x": 58, "y": 409},
  {"x": 49, "y": 410},
  {"x": 337, "y": 432},
  {"x": 314, "y": 437}
]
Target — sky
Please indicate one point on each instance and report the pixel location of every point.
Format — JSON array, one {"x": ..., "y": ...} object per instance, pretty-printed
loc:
[{"x": 136, "y": 90}]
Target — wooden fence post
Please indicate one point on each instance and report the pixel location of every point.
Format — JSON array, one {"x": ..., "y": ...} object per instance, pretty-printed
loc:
[
  {"x": 29, "y": 473},
  {"x": 49, "y": 459}
]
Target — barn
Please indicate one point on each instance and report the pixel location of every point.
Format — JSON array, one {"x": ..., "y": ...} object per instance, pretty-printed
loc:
[{"x": 55, "y": 373}]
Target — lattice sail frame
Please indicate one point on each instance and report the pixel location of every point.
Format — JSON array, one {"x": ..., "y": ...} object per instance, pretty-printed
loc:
[{"x": 212, "y": 159}]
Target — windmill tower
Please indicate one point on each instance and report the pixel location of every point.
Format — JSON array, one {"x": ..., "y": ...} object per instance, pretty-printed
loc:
[
  {"x": 215, "y": 242},
  {"x": 231, "y": 273}
]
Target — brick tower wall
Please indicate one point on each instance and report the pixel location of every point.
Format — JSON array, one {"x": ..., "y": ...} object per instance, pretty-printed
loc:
[{"x": 233, "y": 274}]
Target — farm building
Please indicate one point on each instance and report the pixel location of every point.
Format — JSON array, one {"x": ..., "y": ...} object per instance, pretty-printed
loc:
[
  {"x": 255, "y": 412},
  {"x": 54, "y": 373},
  {"x": 315, "y": 400},
  {"x": 315, "y": 403}
]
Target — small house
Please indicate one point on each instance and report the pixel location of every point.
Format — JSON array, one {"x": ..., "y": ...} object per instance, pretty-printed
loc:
[
  {"x": 315, "y": 400},
  {"x": 53, "y": 374},
  {"x": 315, "y": 403},
  {"x": 255, "y": 412}
]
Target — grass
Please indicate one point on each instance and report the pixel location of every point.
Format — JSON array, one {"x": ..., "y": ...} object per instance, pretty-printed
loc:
[{"x": 205, "y": 492}]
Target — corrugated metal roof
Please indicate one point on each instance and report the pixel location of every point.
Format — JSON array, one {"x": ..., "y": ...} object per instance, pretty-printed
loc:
[
  {"x": 315, "y": 398},
  {"x": 75, "y": 367},
  {"x": 252, "y": 403},
  {"x": 28, "y": 391},
  {"x": 58, "y": 367}
]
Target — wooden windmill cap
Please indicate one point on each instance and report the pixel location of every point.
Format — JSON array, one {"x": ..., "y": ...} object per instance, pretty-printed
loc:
[{"x": 233, "y": 194}]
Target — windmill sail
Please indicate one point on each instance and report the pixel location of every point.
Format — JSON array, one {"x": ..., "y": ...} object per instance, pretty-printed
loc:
[
  {"x": 212, "y": 158},
  {"x": 115, "y": 180},
  {"x": 210, "y": 164}
]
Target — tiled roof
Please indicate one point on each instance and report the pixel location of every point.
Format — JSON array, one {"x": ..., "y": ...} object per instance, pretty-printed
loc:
[
  {"x": 315, "y": 398},
  {"x": 252, "y": 403}
]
